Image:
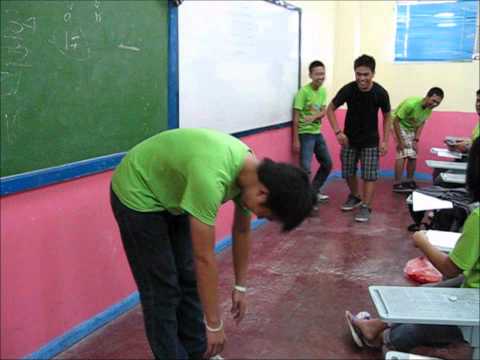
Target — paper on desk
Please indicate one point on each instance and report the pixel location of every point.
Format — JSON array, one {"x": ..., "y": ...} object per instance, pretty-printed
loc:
[
  {"x": 446, "y": 153},
  {"x": 443, "y": 240},
  {"x": 424, "y": 202}
]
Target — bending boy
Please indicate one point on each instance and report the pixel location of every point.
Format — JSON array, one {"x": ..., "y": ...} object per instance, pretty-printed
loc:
[
  {"x": 165, "y": 196},
  {"x": 408, "y": 122}
]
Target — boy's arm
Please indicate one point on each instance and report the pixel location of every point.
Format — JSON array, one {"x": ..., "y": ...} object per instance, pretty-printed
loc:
[
  {"x": 386, "y": 132},
  {"x": 398, "y": 136},
  {"x": 295, "y": 124},
  {"x": 240, "y": 252},
  {"x": 332, "y": 119},
  {"x": 440, "y": 260},
  {"x": 418, "y": 132}
]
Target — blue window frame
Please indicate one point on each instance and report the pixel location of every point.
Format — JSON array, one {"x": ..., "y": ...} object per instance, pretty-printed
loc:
[{"x": 436, "y": 30}]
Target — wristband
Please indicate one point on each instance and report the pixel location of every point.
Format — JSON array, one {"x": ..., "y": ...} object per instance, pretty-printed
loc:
[
  {"x": 241, "y": 289},
  {"x": 416, "y": 140},
  {"x": 338, "y": 132},
  {"x": 217, "y": 329}
]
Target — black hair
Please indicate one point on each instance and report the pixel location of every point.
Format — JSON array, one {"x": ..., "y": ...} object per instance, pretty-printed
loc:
[
  {"x": 473, "y": 170},
  {"x": 365, "y": 60},
  {"x": 478, "y": 92},
  {"x": 435, "y": 91},
  {"x": 314, "y": 64},
  {"x": 290, "y": 196}
]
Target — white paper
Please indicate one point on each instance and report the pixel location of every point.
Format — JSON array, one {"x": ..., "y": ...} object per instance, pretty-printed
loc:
[
  {"x": 442, "y": 152},
  {"x": 443, "y": 240},
  {"x": 424, "y": 202}
]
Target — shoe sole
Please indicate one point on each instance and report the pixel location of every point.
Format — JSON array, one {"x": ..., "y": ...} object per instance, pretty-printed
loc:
[
  {"x": 344, "y": 208},
  {"x": 402, "y": 191},
  {"x": 361, "y": 220}
]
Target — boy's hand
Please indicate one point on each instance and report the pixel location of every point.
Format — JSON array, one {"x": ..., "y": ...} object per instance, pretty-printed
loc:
[
  {"x": 419, "y": 238},
  {"x": 239, "y": 305},
  {"x": 342, "y": 139},
  {"x": 310, "y": 118},
  {"x": 215, "y": 343},
  {"x": 296, "y": 147},
  {"x": 401, "y": 146},
  {"x": 383, "y": 148}
]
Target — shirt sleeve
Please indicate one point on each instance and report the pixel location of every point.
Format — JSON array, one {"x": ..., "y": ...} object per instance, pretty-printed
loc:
[
  {"x": 404, "y": 111},
  {"x": 466, "y": 252},
  {"x": 299, "y": 101},
  {"x": 385, "y": 102},
  {"x": 342, "y": 96},
  {"x": 202, "y": 197}
]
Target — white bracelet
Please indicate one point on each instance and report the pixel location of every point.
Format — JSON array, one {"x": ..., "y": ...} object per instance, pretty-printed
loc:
[
  {"x": 239, "y": 288},
  {"x": 217, "y": 329}
]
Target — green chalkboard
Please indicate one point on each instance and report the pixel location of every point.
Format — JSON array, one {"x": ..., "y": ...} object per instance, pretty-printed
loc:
[{"x": 80, "y": 79}]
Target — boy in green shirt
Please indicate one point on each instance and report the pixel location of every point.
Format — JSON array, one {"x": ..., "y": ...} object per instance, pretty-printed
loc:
[
  {"x": 308, "y": 111},
  {"x": 165, "y": 196},
  {"x": 408, "y": 121}
]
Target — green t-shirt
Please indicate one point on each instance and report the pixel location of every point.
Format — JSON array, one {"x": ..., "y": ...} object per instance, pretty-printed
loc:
[
  {"x": 466, "y": 253},
  {"x": 189, "y": 171},
  {"x": 411, "y": 113},
  {"x": 308, "y": 101},
  {"x": 476, "y": 131}
]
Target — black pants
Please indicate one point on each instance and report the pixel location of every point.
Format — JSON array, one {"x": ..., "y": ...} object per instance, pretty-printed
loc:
[{"x": 159, "y": 250}]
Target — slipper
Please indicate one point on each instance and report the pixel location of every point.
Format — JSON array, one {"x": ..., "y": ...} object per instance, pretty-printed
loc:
[{"x": 357, "y": 335}]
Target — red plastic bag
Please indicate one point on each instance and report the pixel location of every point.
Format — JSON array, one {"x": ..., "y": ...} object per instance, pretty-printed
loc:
[{"x": 421, "y": 270}]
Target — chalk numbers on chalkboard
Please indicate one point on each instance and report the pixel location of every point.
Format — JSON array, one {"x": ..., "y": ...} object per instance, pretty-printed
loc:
[{"x": 15, "y": 53}]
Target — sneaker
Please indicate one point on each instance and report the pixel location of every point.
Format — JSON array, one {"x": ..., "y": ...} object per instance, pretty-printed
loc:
[
  {"x": 363, "y": 214},
  {"x": 351, "y": 203},
  {"x": 401, "y": 187},
  {"x": 412, "y": 185},
  {"x": 322, "y": 197}
]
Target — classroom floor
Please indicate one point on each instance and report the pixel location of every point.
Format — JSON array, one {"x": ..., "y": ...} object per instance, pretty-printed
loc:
[{"x": 300, "y": 285}]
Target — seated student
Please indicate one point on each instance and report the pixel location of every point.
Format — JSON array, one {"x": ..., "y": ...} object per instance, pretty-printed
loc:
[
  {"x": 464, "y": 146},
  {"x": 465, "y": 257},
  {"x": 408, "y": 121},
  {"x": 461, "y": 146},
  {"x": 165, "y": 196}
]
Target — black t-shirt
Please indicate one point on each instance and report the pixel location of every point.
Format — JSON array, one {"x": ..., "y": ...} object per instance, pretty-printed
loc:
[{"x": 361, "y": 122}]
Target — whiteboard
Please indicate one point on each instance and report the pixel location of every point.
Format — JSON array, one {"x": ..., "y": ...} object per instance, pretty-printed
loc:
[{"x": 238, "y": 64}]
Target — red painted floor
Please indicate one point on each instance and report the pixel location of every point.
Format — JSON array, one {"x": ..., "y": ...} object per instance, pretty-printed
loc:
[{"x": 300, "y": 285}]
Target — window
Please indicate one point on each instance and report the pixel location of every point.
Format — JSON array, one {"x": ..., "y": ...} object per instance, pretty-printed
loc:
[{"x": 436, "y": 30}]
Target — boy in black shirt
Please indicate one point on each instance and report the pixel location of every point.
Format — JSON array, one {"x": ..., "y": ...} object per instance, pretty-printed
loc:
[{"x": 360, "y": 138}]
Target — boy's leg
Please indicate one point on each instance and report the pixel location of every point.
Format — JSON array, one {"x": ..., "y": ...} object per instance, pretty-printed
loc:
[
  {"x": 323, "y": 157},
  {"x": 404, "y": 337},
  {"x": 411, "y": 166},
  {"x": 369, "y": 162},
  {"x": 349, "y": 159},
  {"x": 307, "y": 143},
  {"x": 399, "y": 165},
  {"x": 191, "y": 329},
  {"x": 149, "y": 252}
]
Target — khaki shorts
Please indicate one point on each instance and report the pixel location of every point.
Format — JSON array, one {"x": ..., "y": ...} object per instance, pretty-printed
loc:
[{"x": 408, "y": 152}]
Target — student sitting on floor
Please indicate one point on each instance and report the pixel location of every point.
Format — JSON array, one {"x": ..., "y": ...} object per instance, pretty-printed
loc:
[{"x": 465, "y": 257}]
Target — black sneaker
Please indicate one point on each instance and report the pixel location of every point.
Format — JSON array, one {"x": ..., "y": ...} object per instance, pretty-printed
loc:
[
  {"x": 401, "y": 188},
  {"x": 351, "y": 203},
  {"x": 412, "y": 185}
]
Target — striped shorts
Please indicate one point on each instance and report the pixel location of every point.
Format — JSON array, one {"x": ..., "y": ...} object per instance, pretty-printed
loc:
[{"x": 369, "y": 161}]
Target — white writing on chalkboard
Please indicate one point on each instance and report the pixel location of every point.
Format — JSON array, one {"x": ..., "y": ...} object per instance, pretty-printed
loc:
[{"x": 15, "y": 53}]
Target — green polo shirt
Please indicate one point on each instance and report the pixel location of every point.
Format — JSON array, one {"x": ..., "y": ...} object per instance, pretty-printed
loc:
[
  {"x": 189, "y": 171},
  {"x": 411, "y": 113},
  {"x": 466, "y": 253},
  {"x": 307, "y": 101}
]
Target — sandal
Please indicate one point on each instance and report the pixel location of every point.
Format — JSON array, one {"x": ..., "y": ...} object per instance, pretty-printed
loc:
[{"x": 357, "y": 335}]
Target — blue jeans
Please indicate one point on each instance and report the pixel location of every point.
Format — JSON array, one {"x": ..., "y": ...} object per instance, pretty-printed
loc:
[
  {"x": 315, "y": 144},
  {"x": 159, "y": 250}
]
